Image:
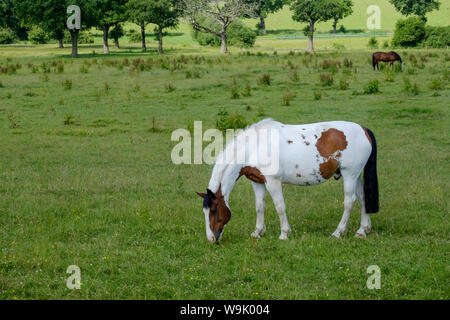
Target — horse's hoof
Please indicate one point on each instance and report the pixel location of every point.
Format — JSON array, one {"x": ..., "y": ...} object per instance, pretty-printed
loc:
[
  {"x": 283, "y": 236},
  {"x": 361, "y": 234},
  {"x": 256, "y": 234},
  {"x": 337, "y": 234}
]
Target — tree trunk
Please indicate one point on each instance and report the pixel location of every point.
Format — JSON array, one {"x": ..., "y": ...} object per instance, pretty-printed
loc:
[
  {"x": 144, "y": 47},
  {"x": 224, "y": 40},
  {"x": 160, "y": 41},
  {"x": 60, "y": 43},
  {"x": 116, "y": 43},
  {"x": 262, "y": 24},
  {"x": 105, "y": 39},
  {"x": 74, "y": 36},
  {"x": 311, "y": 36},
  {"x": 335, "y": 25}
]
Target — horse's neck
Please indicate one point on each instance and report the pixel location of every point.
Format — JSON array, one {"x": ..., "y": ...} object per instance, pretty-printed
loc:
[{"x": 225, "y": 177}]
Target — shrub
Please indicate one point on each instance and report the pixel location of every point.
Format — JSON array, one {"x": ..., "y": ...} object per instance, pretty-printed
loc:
[
  {"x": 436, "y": 84},
  {"x": 264, "y": 80},
  {"x": 372, "y": 87},
  {"x": 317, "y": 95},
  {"x": 134, "y": 36},
  {"x": 408, "y": 87},
  {"x": 14, "y": 120},
  {"x": 238, "y": 35},
  {"x": 7, "y": 36},
  {"x": 169, "y": 87},
  {"x": 437, "y": 37},
  {"x": 69, "y": 120},
  {"x": 37, "y": 35},
  {"x": 326, "y": 80},
  {"x": 235, "y": 92},
  {"x": 294, "y": 76},
  {"x": 409, "y": 32},
  {"x": 247, "y": 90},
  {"x": 389, "y": 75},
  {"x": 235, "y": 121},
  {"x": 287, "y": 97},
  {"x": 344, "y": 85},
  {"x": 373, "y": 43},
  {"x": 67, "y": 84},
  {"x": 84, "y": 37}
]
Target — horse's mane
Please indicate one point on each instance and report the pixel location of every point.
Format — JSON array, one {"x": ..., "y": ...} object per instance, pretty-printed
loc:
[
  {"x": 230, "y": 150},
  {"x": 396, "y": 54}
]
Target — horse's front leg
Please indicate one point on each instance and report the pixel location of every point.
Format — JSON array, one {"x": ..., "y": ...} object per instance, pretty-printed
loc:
[
  {"x": 276, "y": 192},
  {"x": 260, "y": 203}
]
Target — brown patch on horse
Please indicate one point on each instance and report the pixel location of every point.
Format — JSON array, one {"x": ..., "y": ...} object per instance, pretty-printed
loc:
[
  {"x": 367, "y": 135},
  {"x": 252, "y": 174},
  {"x": 330, "y": 143},
  {"x": 219, "y": 214}
]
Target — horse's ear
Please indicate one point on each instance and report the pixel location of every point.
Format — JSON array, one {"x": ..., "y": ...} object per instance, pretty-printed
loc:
[
  {"x": 201, "y": 194},
  {"x": 211, "y": 194}
]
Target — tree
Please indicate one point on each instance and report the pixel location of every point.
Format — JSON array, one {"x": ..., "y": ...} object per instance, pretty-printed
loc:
[
  {"x": 107, "y": 13},
  {"x": 312, "y": 11},
  {"x": 9, "y": 19},
  {"x": 341, "y": 9},
  {"x": 265, "y": 7},
  {"x": 417, "y": 7},
  {"x": 409, "y": 32},
  {"x": 51, "y": 16},
  {"x": 115, "y": 34},
  {"x": 138, "y": 11},
  {"x": 164, "y": 13},
  {"x": 223, "y": 12}
]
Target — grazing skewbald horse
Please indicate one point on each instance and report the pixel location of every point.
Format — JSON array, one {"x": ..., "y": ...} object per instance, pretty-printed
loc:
[
  {"x": 385, "y": 57},
  {"x": 308, "y": 155}
]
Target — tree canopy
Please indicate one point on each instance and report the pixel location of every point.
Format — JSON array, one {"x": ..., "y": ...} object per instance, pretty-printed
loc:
[
  {"x": 416, "y": 7},
  {"x": 312, "y": 12}
]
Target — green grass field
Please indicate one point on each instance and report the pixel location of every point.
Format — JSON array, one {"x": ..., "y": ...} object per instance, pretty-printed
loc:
[{"x": 86, "y": 177}]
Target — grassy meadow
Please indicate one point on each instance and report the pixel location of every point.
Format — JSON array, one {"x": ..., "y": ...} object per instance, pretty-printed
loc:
[{"x": 86, "y": 177}]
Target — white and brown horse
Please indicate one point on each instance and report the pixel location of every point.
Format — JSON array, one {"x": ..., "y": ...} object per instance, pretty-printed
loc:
[{"x": 308, "y": 154}]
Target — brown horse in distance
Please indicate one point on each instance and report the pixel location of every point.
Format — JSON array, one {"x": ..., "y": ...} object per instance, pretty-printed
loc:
[{"x": 385, "y": 57}]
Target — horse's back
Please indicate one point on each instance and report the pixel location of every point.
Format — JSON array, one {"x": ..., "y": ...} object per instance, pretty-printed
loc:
[{"x": 312, "y": 153}]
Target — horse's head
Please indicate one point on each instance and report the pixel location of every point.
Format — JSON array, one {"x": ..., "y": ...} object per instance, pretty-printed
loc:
[{"x": 217, "y": 214}]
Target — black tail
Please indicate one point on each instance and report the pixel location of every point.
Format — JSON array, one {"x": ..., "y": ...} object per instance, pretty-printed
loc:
[
  {"x": 373, "y": 61},
  {"x": 371, "y": 179}
]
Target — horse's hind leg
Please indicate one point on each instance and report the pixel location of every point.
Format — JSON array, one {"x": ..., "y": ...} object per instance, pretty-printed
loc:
[
  {"x": 276, "y": 192},
  {"x": 349, "y": 200},
  {"x": 365, "y": 219},
  {"x": 260, "y": 202}
]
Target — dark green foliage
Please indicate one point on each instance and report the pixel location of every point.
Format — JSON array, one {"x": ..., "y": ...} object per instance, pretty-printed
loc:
[
  {"x": 409, "y": 32},
  {"x": 437, "y": 37},
  {"x": 134, "y": 36},
  {"x": 372, "y": 87},
  {"x": 373, "y": 43},
  {"x": 238, "y": 35},
  {"x": 7, "y": 36},
  {"x": 84, "y": 37},
  {"x": 264, "y": 80},
  {"x": 117, "y": 32},
  {"x": 235, "y": 121},
  {"x": 37, "y": 35},
  {"x": 415, "y": 7}
]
